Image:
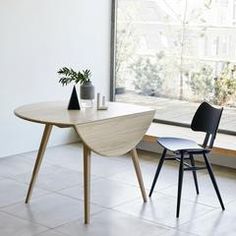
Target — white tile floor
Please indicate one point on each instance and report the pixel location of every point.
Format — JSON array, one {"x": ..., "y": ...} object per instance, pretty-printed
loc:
[{"x": 117, "y": 209}]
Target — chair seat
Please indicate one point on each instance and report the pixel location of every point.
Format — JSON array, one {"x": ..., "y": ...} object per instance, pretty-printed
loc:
[{"x": 179, "y": 144}]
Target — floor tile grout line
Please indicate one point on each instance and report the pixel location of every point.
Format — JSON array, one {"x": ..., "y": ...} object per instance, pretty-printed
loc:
[{"x": 27, "y": 220}]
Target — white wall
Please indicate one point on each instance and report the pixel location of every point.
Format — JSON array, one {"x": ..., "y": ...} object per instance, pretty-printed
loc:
[{"x": 36, "y": 39}]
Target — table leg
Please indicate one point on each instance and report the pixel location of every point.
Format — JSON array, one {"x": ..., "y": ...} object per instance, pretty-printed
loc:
[
  {"x": 138, "y": 173},
  {"x": 41, "y": 151},
  {"x": 87, "y": 169}
]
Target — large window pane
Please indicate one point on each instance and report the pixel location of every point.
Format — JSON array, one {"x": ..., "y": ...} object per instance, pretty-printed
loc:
[{"x": 173, "y": 54}]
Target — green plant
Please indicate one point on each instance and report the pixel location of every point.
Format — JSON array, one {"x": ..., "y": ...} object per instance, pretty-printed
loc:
[
  {"x": 202, "y": 82},
  {"x": 148, "y": 75},
  {"x": 69, "y": 75},
  {"x": 225, "y": 85}
]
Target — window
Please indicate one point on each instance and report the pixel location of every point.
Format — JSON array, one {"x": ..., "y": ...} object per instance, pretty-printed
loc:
[{"x": 173, "y": 54}]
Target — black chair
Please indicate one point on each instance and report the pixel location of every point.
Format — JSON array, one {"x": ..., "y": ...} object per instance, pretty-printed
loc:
[{"x": 206, "y": 119}]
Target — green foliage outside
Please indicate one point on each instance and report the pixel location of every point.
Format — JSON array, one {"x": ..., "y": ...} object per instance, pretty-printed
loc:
[
  {"x": 148, "y": 75},
  {"x": 151, "y": 73},
  {"x": 225, "y": 85},
  {"x": 220, "y": 90},
  {"x": 202, "y": 83}
]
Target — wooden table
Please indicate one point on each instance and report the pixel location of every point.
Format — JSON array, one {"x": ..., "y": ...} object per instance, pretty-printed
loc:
[{"x": 111, "y": 132}]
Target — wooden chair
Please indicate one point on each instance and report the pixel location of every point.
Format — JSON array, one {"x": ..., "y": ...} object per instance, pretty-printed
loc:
[{"x": 206, "y": 119}]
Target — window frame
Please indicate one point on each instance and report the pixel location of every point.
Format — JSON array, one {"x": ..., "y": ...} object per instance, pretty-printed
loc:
[{"x": 113, "y": 49}]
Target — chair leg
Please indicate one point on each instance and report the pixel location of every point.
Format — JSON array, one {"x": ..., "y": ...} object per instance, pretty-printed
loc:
[
  {"x": 194, "y": 172},
  {"x": 180, "y": 183},
  {"x": 157, "y": 171},
  {"x": 210, "y": 171}
]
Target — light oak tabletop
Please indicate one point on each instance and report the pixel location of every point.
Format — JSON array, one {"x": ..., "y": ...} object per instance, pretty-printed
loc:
[{"x": 56, "y": 113}]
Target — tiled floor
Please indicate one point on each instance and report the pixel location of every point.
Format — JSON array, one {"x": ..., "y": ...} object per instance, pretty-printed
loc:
[{"x": 117, "y": 209}]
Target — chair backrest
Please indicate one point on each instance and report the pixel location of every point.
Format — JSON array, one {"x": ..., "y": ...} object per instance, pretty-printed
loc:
[{"x": 207, "y": 119}]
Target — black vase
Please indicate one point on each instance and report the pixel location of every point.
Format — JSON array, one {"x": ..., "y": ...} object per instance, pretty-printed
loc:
[{"x": 74, "y": 101}]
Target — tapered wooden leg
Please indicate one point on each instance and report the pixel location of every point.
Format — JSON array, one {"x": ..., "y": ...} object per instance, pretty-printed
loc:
[
  {"x": 41, "y": 151},
  {"x": 87, "y": 169},
  {"x": 138, "y": 173}
]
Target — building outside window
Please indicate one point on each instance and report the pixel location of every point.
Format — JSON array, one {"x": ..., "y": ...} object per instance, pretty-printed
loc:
[{"x": 174, "y": 54}]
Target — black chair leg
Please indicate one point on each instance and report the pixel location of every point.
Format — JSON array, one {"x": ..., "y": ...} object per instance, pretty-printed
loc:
[
  {"x": 180, "y": 183},
  {"x": 194, "y": 172},
  {"x": 210, "y": 171},
  {"x": 157, "y": 171}
]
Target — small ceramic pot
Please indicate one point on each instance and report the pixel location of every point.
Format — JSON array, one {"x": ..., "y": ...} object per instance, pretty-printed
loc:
[{"x": 87, "y": 91}]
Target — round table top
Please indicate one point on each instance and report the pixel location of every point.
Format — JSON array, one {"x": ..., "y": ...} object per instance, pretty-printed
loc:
[{"x": 57, "y": 113}]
